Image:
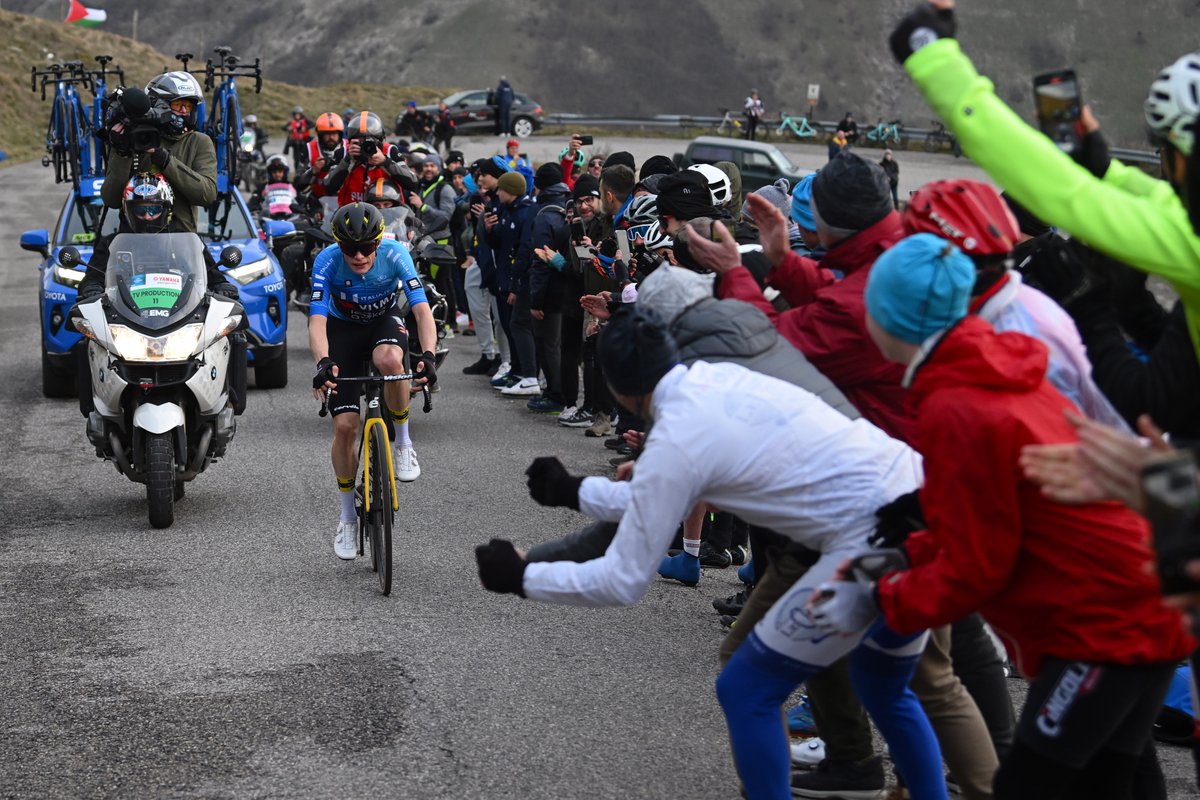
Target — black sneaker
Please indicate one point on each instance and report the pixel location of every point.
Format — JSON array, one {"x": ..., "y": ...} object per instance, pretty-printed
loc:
[
  {"x": 712, "y": 557},
  {"x": 732, "y": 605},
  {"x": 615, "y": 442},
  {"x": 846, "y": 780},
  {"x": 480, "y": 367},
  {"x": 740, "y": 554}
]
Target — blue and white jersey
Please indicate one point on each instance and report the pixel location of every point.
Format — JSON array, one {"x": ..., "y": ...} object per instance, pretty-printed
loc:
[{"x": 340, "y": 293}]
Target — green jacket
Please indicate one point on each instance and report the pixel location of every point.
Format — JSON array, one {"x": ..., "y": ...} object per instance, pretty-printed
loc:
[
  {"x": 192, "y": 173},
  {"x": 1127, "y": 215}
]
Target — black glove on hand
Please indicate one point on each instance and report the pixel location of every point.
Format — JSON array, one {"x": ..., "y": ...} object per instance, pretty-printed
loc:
[
  {"x": 160, "y": 157},
  {"x": 227, "y": 290},
  {"x": 501, "y": 570},
  {"x": 324, "y": 372},
  {"x": 922, "y": 26},
  {"x": 897, "y": 520},
  {"x": 428, "y": 367},
  {"x": 551, "y": 485},
  {"x": 1092, "y": 154}
]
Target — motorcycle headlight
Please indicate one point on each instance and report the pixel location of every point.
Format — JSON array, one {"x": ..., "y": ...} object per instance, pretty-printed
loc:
[
  {"x": 68, "y": 277},
  {"x": 175, "y": 346},
  {"x": 249, "y": 273}
]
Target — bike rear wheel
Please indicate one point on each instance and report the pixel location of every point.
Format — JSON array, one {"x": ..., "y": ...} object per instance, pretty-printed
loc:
[
  {"x": 379, "y": 519},
  {"x": 933, "y": 142}
]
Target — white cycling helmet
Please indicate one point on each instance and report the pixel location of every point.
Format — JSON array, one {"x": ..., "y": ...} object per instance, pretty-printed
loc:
[
  {"x": 656, "y": 238},
  {"x": 1174, "y": 103},
  {"x": 718, "y": 183},
  {"x": 642, "y": 211}
]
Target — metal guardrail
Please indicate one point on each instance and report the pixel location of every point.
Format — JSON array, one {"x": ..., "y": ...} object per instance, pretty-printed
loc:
[{"x": 685, "y": 121}]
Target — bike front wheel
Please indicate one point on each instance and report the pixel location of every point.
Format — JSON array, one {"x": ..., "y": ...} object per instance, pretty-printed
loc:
[
  {"x": 933, "y": 143},
  {"x": 379, "y": 519}
]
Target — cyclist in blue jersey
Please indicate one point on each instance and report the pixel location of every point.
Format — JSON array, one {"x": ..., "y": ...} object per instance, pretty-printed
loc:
[{"x": 354, "y": 315}]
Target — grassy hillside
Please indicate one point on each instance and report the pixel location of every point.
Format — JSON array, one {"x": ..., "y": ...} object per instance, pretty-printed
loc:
[{"x": 32, "y": 41}]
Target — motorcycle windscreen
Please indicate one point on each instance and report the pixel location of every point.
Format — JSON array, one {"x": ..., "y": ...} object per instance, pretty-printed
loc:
[
  {"x": 154, "y": 280},
  {"x": 329, "y": 206},
  {"x": 397, "y": 224}
]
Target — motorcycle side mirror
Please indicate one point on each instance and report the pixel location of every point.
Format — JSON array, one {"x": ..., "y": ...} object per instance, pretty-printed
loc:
[
  {"x": 69, "y": 257},
  {"x": 230, "y": 257}
]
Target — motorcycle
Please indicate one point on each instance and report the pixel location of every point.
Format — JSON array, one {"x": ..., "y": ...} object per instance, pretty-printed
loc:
[
  {"x": 167, "y": 363},
  {"x": 296, "y": 253},
  {"x": 428, "y": 255},
  {"x": 252, "y": 160}
]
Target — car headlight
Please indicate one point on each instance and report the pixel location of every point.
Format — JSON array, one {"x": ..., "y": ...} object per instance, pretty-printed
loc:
[
  {"x": 175, "y": 346},
  {"x": 249, "y": 273},
  {"x": 69, "y": 277}
]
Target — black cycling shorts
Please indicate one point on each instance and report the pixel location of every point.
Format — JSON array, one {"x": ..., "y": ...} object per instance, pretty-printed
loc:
[{"x": 351, "y": 344}]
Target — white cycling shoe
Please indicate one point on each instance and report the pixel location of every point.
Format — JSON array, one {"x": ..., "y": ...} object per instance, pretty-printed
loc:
[
  {"x": 345, "y": 543},
  {"x": 407, "y": 468}
]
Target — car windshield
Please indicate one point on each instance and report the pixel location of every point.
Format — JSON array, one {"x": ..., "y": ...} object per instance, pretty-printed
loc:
[
  {"x": 155, "y": 279},
  {"x": 228, "y": 222},
  {"x": 782, "y": 161}
]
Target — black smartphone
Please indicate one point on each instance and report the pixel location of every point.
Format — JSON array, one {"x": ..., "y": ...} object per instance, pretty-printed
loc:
[
  {"x": 577, "y": 232},
  {"x": 585, "y": 139},
  {"x": 1059, "y": 106},
  {"x": 1173, "y": 509}
]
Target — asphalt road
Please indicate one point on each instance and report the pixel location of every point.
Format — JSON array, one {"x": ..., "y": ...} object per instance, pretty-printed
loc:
[{"x": 233, "y": 655}]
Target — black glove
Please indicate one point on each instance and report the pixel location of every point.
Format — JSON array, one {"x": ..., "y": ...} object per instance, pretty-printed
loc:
[
  {"x": 551, "y": 485},
  {"x": 88, "y": 291},
  {"x": 922, "y": 26},
  {"x": 427, "y": 368},
  {"x": 501, "y": 570},
  {"x": 897, "y": 520},
  {"x": 324, "y": 372},
  {"x": 1057, "y": 269},
  {"x": 1092, "y": 154},
  {"x": 226, "y": 290},
  {"x": 160, "y": 157}
]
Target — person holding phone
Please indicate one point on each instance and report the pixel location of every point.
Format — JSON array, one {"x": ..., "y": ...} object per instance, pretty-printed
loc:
[{"x": 1117, "y": 209}]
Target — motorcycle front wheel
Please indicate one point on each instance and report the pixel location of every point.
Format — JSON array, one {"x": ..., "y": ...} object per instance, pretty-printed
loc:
[{"x": 160, "y": 479}]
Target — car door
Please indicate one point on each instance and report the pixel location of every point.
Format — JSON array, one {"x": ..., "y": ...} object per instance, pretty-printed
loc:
[
  {"x": 757, "y": 170},
  {"x": 472, "y": 112}
]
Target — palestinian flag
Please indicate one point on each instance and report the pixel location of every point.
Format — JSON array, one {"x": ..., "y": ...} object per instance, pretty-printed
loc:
[{"x": 82, "y": 15}]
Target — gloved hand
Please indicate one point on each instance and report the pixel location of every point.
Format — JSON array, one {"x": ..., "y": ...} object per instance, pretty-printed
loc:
[
  {"x": 923, "y": 25},
  {"x": 427, "y": 368},
  {"x": 844, "y": 606},
  {"x": 897, "y": 520},
  {"x": 88, "y": 292},
  {"x": 226, "y": 290},
  {"x": 551, "y": 485},
  {"x": 501, "y": 569},
  {"x": 324, "y": 372},
  {"x": 872, "y": 565},
  {"x": 160, "y": 157},
  {"x": 1092, "y": 153}
]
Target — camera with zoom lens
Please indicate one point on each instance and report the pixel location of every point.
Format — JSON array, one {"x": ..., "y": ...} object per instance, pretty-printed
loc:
[
  {"x": 367, "y": 148},
  {"x": 144, "y": 121}
]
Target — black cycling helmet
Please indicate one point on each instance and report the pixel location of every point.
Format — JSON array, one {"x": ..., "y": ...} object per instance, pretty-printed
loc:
[
  {"x": 383, "y": 190},
  {"x": 177, "y": 85},
  {"x": 357, "y": 223},
  {"x": 365, "y": 125}
]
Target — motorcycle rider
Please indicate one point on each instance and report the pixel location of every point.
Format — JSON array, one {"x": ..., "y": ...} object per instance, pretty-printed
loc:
[
  {"x": 268, "y": 194},
  {"x": 354, "y": 309},
  {"x": 367, "y": 159},
  {"x": 299, "y": 132},
  {"x": 323, "y": 152},
  {"x": 260, "y": 136},
  {"x": 188, "y": 162}
]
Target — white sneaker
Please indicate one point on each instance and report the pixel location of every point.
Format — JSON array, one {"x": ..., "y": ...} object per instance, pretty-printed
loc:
[
  {"x": 345, "y": 543},
  {"x": 407, "y": 468},
  {"x": 526, "y": 386},
  {"x": 808, "y": 753}
]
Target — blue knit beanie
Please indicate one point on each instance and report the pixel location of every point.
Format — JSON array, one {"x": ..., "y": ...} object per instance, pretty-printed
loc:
[
  {"x": 920, "y": 286},
  {"x": 802, "y": 213}
]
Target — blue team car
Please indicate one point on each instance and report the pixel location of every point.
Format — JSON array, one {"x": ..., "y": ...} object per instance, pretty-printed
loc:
[{"x": 259, "y": 279}]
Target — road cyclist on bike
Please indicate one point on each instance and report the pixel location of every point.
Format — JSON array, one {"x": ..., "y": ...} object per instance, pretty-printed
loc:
[{"x": 354, "y": 316}]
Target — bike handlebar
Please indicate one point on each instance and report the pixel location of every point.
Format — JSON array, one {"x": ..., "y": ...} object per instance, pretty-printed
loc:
[{"x": 425, "y": 408}]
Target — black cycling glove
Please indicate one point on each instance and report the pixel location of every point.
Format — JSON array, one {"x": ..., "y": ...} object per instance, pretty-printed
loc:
[
  {"x": 324, "y": 372},
  {"x": 501, "y": 569},
  {"x": 427, "y": 368},
  {"x": 897, "y": 520},
  {"x": 924, "y": 25},
  {"x": 551, "y": 485},
  {"x": 160, "y": 157},
  {"x": 1092, "y": 154},
  {"x": 226, "y": 290}
]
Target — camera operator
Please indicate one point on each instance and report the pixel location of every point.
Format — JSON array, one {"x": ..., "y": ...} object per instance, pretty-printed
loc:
[
  {"x": 155, "y": 132},
  {"x": 367, "y": 159}
]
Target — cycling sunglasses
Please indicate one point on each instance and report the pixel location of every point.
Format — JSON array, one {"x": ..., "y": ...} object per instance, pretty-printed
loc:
[{"x": 358, "y": 248}]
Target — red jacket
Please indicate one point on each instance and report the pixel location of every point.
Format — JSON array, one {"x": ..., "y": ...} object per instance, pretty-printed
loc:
[
  {"x": 1076, "y": 582},
  {"x": 827, "y": 321}
]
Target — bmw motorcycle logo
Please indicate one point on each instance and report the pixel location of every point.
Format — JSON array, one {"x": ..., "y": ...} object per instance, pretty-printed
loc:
[{"x": 213, "y": 373}]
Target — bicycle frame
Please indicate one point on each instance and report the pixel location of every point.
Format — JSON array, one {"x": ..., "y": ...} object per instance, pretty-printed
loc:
[
  {"x": 225, "y": 126},
  {"x": 69, "y": 145},
  {"x": 802, "y": 129}
]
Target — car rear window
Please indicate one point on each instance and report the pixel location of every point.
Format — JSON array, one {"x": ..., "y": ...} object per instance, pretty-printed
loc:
[{"x": 710, "y": 154}]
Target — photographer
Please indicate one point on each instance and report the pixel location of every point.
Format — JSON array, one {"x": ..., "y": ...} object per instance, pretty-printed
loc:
[
  {"x": 155, "y": 131},
  {"x": 367, "y": 159}
]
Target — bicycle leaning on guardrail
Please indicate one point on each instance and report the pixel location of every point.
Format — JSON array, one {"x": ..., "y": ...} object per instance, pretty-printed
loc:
[
  {"x": 729, "y": 124},
  {"x": 799, "y": 126},
  {"x": 939, "y": 139},
  {"x": 887, "y": 133}
]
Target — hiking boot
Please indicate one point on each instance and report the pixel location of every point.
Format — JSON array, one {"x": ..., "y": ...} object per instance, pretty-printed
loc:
[
  {"x": 861, "y": 780},
  {"x": 577, "y": 418},
  {"x": 800, "y": 720},
  {"x": 544, "y": 405},
  {"x": 712, "y": 557},
  {"x": 733, "y": 604},
  {"x": 601, "y": 425},
  {"x": 480, "y": 367},
  {"x": 808, "y": 753},
  {"x": 684, "y": 568}
]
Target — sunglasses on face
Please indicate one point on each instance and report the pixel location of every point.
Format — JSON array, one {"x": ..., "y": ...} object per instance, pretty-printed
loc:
[{"x": 352, "y": 249}]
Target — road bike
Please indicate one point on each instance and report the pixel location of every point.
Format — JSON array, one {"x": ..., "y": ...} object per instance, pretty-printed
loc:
[
  {"x": 886, "y": 133},
  {"x": 729, "y": 124},
  {"x": 375, "y": 498},
  {"x": 938, "y": 138},
  {"x": 224, "y": 125},
  {"x": 799, "y": 126}
]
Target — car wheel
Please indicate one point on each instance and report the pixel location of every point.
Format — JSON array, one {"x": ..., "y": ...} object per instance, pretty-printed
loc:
[{"x": 522, "y": 127}]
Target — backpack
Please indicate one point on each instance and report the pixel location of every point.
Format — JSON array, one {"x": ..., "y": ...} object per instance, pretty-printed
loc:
[{"x": 526, "y": 172}]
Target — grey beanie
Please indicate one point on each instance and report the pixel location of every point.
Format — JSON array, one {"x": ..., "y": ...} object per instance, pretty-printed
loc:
[
  {"x": 669, "y": 291},
  {"x": 851, "y": 193},
  {"x": 778, "y": 194}
]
